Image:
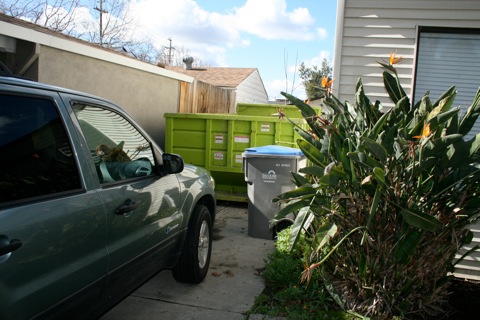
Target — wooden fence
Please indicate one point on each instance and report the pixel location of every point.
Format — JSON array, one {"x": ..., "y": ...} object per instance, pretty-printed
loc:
[{"x": 201, "y": 97}]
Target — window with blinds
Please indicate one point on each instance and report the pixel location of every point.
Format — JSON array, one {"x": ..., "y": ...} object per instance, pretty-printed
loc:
[{"x": 445, "y": 58}]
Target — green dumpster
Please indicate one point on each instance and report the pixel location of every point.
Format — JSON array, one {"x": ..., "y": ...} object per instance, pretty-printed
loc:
[
  {"x": 248, "y": 109},
  {"x": 217, "y": 141}
]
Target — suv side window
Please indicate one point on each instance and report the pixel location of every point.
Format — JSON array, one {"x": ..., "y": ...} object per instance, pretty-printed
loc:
[
  {"x": 119, "y": 150},
  {"x": 36, "y": 157}
]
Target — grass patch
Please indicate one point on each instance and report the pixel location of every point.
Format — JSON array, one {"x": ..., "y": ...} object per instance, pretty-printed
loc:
[{"x": 285, "y": 296}]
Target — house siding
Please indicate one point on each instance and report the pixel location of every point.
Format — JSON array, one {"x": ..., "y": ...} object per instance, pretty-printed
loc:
[
  {"x": 368, "y": 30},
  {"x": 252, "y": 90}
]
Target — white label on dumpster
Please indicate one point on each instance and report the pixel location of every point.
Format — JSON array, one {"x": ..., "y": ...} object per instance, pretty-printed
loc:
[
  {"x": 238, "y": 158},
  {"x": 265, "y": 127},
  {"x": 241, "y": 139},
  {"x": 269, "y": 177},
  {"x": 218, "y": 156},
  {"x": 219, "y": 138}
]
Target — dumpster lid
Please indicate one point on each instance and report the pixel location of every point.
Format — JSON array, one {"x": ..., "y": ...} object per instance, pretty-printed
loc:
[{"x": 273, "y": 149}]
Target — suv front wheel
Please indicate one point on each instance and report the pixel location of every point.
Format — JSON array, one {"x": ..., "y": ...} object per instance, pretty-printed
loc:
[{"x": 194, "y": 261}]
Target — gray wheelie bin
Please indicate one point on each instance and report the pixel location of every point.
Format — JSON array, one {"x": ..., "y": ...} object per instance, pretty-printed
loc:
[{"x": 267, "y": 171}]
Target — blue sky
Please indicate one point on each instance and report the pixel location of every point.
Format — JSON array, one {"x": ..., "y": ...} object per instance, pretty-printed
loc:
[{"x": 273, "y": 36}]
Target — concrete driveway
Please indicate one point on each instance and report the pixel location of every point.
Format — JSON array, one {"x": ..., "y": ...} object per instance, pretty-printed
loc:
[{"x": 228, "y": 291}]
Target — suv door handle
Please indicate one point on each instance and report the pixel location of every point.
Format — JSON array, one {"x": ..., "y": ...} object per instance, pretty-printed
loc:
[
  {"x": 127, "y": 206},
  {"x": 12, "y": 246}
]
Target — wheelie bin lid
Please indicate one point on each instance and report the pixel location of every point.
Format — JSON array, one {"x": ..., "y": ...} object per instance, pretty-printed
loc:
[{"x": 273, "y": 150}]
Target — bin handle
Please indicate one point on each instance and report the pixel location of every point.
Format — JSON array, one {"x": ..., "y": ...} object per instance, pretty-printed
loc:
[{"x": 245, "y": 169}]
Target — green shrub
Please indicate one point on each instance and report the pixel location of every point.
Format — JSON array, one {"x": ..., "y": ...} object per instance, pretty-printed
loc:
[{"x": 387, "y": 202}]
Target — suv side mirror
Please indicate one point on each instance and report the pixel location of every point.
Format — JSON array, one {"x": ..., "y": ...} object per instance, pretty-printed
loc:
[{"x": 173, "y": 163}]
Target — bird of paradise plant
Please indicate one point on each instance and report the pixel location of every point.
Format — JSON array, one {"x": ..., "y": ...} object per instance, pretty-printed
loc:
[{"x": 386, "y": 204}]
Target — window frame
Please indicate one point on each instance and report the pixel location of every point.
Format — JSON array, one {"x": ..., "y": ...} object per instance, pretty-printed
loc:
[
  {"x": 418, "y": 51},
  {"x": 132, "y": 124}
]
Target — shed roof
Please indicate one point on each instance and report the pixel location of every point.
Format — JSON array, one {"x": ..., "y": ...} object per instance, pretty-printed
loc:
[{"x": 217, "y": 76}]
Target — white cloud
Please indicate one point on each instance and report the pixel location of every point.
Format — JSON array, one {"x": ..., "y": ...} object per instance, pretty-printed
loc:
[
  {"x": 317, "y": 60},
  {"x": 204, "y": 33},
  {"x": 269, "y": 19}
]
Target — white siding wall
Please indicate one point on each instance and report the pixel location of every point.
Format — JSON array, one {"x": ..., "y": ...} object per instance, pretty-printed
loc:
[
  {"x": 252, "y": 90},
  {"x": 368, "y": 30}
]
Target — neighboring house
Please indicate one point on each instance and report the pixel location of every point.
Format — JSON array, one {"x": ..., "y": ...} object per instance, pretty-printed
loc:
[
  {"x": 440, "y": 41},
  {"x": 246, "y": 82},
  {"x": 146, "y": 91}
]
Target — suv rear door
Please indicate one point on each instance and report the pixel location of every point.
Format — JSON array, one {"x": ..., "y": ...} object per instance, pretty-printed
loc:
[{"x": 52, "y": 223}]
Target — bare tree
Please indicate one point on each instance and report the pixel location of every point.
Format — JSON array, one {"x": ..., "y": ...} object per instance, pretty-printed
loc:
[
  {"x": 175, "y": 57},
  {"x": 105, "y": 22},
  {"x": 109, "y": 22},
  {"x": 113, "y": 25},
  {"x": 57, "y": 15},
  {"x": 145, "y": 50}
]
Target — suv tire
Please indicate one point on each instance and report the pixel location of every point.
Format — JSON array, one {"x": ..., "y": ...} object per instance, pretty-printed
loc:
[{"x": 194, "y": 261}]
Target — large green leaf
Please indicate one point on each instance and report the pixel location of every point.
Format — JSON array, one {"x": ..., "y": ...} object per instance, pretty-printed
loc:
[
  {"x": 302, "y": 192},
  {"x": 425, "y": 105},
  {"x": 394, "y": 90},
  {"x": 470, "y": 117},
  {"x": 421, "y": 220},
  {"x": 292, "y": 207},
  {"x": 407, "y": 246},
  {"x": 307, "y": 136},
  {"x": 299, "y": 179},
  {"x": 364, "y": 159},
  {"x": 372, "y": 212},
  {"x": 438, "y": 147},
  {"x": 379, "y": 126},
  {"x": 301, "y": 219},
  {"x": 313, "y": 171},
  {"x": 312, "y": 153},
  {"x": 376, "y": 149},
  {"x": 324, "y": 234},
  {"x": 335, "y": 175},
  {"x": 474, "y": 147},
  {"x": 307, "y": 111},
  {"x": 450, "y": 94},
  {"x": 441, "y": 118},
  {"x": 379, "y": 175},
  {"x": 335, "y": 104}
]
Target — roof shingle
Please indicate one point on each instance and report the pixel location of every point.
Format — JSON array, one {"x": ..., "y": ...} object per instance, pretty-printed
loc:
[{"x": 217, "y": 76}]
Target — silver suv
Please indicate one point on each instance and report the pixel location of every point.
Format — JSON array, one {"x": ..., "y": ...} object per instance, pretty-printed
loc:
[{"x": 90, "y": 206}]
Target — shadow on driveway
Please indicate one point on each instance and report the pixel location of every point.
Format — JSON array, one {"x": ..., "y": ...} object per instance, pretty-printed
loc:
[{"x": 228, "y": 291}]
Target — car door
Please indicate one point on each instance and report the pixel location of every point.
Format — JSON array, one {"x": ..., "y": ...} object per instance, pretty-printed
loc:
[
  {"x": 142, "y": 206},
  {"x": 52, "y": 223}
]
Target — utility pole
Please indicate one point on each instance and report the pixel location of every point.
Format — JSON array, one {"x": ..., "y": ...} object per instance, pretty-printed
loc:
[
  {"x": 170, "y": 48},
  {"x": 101, "y": 11}
]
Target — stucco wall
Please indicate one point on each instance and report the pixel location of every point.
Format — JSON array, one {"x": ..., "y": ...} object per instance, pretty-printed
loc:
[{"x": 144, "y": 95}]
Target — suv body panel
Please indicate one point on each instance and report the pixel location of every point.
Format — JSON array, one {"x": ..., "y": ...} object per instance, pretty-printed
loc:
[{"x": 78, "y": 249}]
